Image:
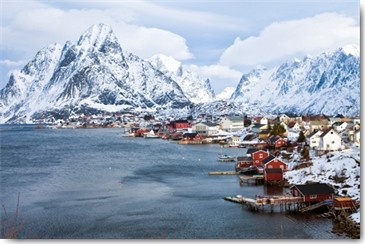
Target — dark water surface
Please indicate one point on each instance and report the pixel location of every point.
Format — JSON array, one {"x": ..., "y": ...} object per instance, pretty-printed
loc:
[{"x": 94, "y": 183}]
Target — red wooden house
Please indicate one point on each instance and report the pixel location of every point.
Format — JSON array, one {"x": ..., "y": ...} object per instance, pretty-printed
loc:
[
  {"x": 258, "y": 156},
  {"x": 277, "y": 141},
  {"x": 179, "y": 125},
  {"x": 273, "y": 174},
  {"x": 272, "y": 162},
  {"x": 243, "y": 162},
  {"x": 191, "y": 137},
  {"x": 313, "y": 192}
]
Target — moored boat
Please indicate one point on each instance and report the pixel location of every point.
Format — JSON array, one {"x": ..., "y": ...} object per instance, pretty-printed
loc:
[{"x": 226, "y": 158}]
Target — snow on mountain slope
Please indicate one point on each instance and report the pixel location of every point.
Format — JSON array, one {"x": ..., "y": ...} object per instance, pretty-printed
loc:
[
  {"x": 326, "y": 84},
  {"x": 225, "y": 94},
  {"x": 91, "y": 75},
  {"x": 197, "y": 89},
  {"x": 24, "y": 89}
]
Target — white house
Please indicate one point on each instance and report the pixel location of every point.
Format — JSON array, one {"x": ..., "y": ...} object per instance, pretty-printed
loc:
[
  {"x": 284, "y": 118},
  {"x": 318, "y": 124},
  {"x": 340, "y": 126},
  {"x": 232, "y": 124},
  {"x": 264, "y": 121},
  {"x": 314, "y": 139},
  {"x": 205, "y": 128},
  {"x": 296, "y": 127},
  {"x": 330, "y": 140}
]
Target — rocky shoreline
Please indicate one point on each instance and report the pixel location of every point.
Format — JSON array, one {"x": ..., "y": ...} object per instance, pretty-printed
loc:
[{"x": 344, "y": 225}]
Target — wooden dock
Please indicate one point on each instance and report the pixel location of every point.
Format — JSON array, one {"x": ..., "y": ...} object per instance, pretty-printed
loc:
[
  {"x": 249, "y": 178},
  {"x": 284, "y": 201},
  {"x": 223, "y": 173}
]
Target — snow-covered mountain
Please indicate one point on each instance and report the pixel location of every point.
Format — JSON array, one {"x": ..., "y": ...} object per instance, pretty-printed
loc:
[
  {"x": 226, "y": 93},
  {"x": 91, "y": 75},
  {"x": 95, "y": 75},
  {"x": 197, "y": 89},
  {"x": 326, "y": 84}
]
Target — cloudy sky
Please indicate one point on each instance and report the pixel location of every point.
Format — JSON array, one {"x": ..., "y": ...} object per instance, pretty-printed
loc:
[{"x": 216, "y": 38}]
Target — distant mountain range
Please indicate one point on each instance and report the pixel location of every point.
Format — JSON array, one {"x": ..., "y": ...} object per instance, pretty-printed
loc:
[
  {"x": 95, "y": 75},
  {"x": 326, "y": 84}
]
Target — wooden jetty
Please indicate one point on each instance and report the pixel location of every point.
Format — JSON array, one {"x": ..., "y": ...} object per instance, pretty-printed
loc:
[
  {"x": 249, "y": 178},
  {"x": 223, "y": 173},
  {"x": 284, "y": 201}
]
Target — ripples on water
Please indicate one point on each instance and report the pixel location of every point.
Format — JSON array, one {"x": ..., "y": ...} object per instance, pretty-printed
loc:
[{"x": 94, "y": 183}]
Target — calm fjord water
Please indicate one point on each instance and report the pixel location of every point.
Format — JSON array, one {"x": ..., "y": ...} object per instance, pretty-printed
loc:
[{"x": 94, "y": 183}]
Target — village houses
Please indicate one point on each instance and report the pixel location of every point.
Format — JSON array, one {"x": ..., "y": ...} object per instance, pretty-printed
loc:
[
  {"x": 330, "y": 140},
  {"x": 232, "y": 123},
  {"x": 206, "y": 129}
]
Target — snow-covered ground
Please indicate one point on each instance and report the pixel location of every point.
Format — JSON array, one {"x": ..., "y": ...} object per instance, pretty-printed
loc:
[{"x": 341, "y": 169}]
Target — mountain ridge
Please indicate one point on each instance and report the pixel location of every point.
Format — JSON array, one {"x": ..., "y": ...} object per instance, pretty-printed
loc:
[{"x": 95, "y": 75}]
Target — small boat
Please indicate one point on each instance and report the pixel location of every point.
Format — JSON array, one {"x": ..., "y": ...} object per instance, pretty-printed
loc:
[
  {"x": 151, "y": 135},
  {"x": 226, "y": 158}
]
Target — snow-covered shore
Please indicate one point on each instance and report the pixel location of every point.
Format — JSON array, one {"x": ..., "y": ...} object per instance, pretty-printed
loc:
[{"x": 341, "y": 169}]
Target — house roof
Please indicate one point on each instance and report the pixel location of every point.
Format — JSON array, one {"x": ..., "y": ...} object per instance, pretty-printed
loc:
[
  {"x": 249, "y": 137},
  {"x": 235, "y": 119},
  {"x": 257, "y": 150},
  {"x": 274, "y": 138},
  {"x": 316, "y": 188},
  {"x": 325, "y": 132},
  {"x": 319, "y": 122},
  {"x": 210, "y": 124},
  {"x": 190, "y": 134},
  {"x": 243, "y": 158},
  {"x": 251, "y": 150},
  {"x": 273, "y": 170},
  {"x": 268, "y": 159},
  {"x": 315, "y": 132}
]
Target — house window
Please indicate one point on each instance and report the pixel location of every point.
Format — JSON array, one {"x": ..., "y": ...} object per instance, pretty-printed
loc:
[
  {"x": 333, "y": 142},
  {"x": 312, "y": 196},
  {"x": 261, "y": 156},
  {"x": 270, "y": 167}
]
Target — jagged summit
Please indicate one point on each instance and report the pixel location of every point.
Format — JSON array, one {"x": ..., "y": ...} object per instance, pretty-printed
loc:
[
  {"x": 95, "y": 75},
  {"x": 353, "y": 50},
  {"x": 89, "y": 76},
  {"x": 325, "y": 84},
  {"x": 196, "y": 88}
]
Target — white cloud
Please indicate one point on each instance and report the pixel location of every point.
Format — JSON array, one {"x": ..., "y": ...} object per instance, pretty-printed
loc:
[
  {"x": 36, "y": 26},
  {"x": 220, "y": 76},
  {"x": 280, "y": 40},
  {"x": 10, "y": 63}
]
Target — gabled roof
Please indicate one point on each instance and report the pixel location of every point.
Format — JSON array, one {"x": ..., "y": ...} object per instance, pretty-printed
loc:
[
  {"x": 268, "y": 159},
  {"x": 243, "y": 158},
  {"x": 210, "y": 124},
  {"x": 274, "y": 138},
  {"x": 235, "y": 119},
  {"x": 317, "y": 188},
  {"x": 314, "y": 133},
  {"x": 190, "y": 134},
  {"x": 251, "y": 150},
  {"x": 325, "y": 132},
  {"x": 259, "y": 150}
]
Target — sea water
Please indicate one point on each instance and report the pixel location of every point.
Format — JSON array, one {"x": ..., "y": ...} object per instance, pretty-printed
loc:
[{"x": 96, "y": 183}]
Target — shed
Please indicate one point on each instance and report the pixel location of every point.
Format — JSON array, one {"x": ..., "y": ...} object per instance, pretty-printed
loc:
[{"x": 341, "y": 203}]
